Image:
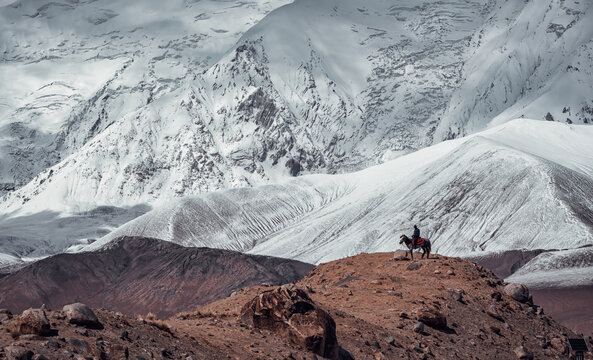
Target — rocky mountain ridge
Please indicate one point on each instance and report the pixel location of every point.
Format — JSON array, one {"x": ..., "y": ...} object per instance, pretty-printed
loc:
[{"x": 372, "y": 306}]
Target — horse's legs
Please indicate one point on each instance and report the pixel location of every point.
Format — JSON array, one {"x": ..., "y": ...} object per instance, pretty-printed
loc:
[{"x": 412, "y": 253}]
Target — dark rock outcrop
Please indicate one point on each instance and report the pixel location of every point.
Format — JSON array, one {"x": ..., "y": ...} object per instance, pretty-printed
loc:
[
  {"x": 432, "y": 318},
  {"x": 291, "y": 313}
]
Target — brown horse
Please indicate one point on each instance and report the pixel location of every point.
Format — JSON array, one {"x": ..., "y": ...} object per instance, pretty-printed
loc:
[{"x": 425, "y": 246}]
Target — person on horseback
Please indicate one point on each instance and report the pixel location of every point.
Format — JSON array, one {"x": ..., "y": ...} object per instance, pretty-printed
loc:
[{"x": 415, "y": 236}]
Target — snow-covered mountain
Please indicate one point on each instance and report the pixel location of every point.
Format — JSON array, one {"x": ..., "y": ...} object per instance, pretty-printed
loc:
[
  {"x": 521, "y": 185},
  {"x": 110, "y": 103},
  {"x": 109, "y": 109}
]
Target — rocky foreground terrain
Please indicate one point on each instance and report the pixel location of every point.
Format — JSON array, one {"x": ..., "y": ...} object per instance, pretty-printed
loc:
[{"x": 371, "y": 306}]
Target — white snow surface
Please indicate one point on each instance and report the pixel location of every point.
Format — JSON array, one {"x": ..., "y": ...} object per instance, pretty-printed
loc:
[
  {"x": 564, "y": 268},
  {"x": 111, "y": 103},
  {"x": 496, "y": 190}
]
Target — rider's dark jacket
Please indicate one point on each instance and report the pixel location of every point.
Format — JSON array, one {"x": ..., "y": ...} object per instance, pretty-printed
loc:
[{"x": 416, "y": 233}]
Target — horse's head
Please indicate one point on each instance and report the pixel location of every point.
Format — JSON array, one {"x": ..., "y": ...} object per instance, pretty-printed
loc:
[{"x": 402, "y": 239}]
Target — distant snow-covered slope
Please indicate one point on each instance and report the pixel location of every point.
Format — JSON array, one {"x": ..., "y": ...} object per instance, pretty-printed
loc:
[
  {"x": 71, "y": 69},
  {"x": 138, "y": 102},
  {"x": 522, "y": 185}
]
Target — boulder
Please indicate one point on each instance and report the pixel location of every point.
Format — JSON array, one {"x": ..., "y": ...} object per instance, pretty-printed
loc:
[
  {"x": 432, "y": 318},
  {"x": 418, "y": 327},
  {"x": 518, "y": 292},
  {"x": 290, "y": 313},
  {"x": 32, "y": 321},
  {"x": 80, "y": 314},
  {"x": 523, "y": 354},
  {"x": 17, "y": 353},
  {"x": 559, "y": 345},
  {"x": 400, "y": 255}
]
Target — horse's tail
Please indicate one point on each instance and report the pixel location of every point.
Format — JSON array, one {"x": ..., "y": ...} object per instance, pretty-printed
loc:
[{"x": 428, "y": 245}]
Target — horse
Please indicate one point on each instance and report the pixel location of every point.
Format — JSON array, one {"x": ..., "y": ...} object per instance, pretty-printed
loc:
[{"x": 425, "y": 246}]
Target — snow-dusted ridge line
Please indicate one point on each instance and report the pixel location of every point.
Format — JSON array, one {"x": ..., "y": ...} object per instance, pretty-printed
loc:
[{"x": 474, "y": 194}]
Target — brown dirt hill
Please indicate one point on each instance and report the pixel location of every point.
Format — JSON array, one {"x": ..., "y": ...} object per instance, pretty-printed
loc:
[
  {"x": 570, "y": 306},
  {"x": 375, "y": 300},
  {"x": 138, "y": 275}
]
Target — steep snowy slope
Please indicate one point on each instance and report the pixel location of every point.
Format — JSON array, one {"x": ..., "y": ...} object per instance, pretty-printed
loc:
[
  {"x": 144, "y": 101},
  {"x": 71, "y": 69},
  {"x": 530, "y": 59},
  {"x": 497, "y": 190}
]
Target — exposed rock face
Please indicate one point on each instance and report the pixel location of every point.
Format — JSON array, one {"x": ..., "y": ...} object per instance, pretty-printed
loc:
[
  {"x": 80, "y": 314},
  {"x": 291, "y": 313},
  {"x": 32, "y": 321},
  {"x": 518, "y": 292}
]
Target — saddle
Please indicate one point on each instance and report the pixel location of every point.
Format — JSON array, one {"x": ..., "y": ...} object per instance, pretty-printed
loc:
[{"x": 419, "y": 242}]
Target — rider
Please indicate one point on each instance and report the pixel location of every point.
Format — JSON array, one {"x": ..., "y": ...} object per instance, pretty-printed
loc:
[{"x": 415, "y": 236}]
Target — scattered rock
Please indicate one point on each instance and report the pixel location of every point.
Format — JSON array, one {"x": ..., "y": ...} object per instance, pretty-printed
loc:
[
  {"x": 414, "y": 266},
  {"x": 523, "y": 353},
  {"x": 290, "y": 313},
  {"x": 395, "y": 293},
  {"x": 418, "y": 327},
  {"x": 457, "y": 296},
  {"x": 518, "y": 292},
  {"x": 496, "y": 296},
  {"x": 80, "y": 314},
  {"x": 40, "y": 357},
  {"x": 437, "y": 271},
  {"x": 78, "y": 343},
  {"x": 52, "y": 343},
  {"x": 379, "y": 355},
  {"x": 388, "y": 339},
  {"x": 559, "y": 345},
  {"x": 432, "y": 318},
  {"x": 451, "y": 272},
  {"x": 117, "y": 351},
  {"x": 5, "y": 314},
  {"x": 404, "y": 315},
  {"x": 495, "y": 330},
  {"x": 17, "y": 353},
  {"x": 32, "y": 321},
  {"x": 400, "y": 255},
  {"x": 492, "y": 311}
]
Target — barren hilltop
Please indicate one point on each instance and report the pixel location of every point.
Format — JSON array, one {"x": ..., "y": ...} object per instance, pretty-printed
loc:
[{"x": 370, "y": 306}]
